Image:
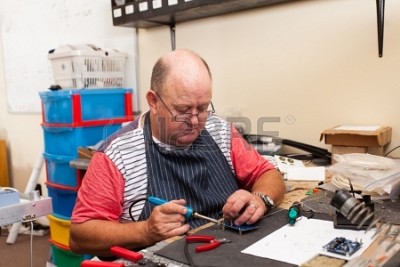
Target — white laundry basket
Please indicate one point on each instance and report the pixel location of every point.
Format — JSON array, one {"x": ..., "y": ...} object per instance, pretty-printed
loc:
[{"x": 86, "y": 66}]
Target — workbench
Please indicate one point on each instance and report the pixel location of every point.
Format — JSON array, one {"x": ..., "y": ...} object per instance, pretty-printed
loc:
[
  {"x": 297, "y": 191},
  {"x": 375, "y": 251}
]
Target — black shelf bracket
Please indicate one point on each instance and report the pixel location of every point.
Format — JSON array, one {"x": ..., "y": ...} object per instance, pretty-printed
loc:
[
  {"x": 173, "y": 37},
  {"x": 380, "y": 14}
]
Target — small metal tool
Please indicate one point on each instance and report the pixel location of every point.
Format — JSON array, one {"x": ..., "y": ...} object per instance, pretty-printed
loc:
[{"x": 198, "y": 215}]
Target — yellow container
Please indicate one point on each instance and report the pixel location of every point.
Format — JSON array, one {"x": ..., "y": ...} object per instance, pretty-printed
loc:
[{"x": 59, "y": 230}]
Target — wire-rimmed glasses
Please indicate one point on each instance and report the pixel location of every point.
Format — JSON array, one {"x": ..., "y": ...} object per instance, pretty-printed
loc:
[{"x": 185, "y": 117}]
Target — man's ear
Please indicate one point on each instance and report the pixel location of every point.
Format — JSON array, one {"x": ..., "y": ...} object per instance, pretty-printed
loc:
[{"x": 152, "y": 99}]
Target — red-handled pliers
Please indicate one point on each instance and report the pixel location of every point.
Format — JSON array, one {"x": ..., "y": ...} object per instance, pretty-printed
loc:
[
  {"x": 211, "y": 240},
  {"x": 117, "y": 251}
]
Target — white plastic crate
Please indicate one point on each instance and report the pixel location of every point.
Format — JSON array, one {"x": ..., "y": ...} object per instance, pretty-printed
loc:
[{"x": 86, "y": 66}]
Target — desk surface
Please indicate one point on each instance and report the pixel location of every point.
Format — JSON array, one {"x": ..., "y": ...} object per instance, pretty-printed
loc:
[
  {"x": 375, "y": 251},
  {"x": 297, "y": 192}
]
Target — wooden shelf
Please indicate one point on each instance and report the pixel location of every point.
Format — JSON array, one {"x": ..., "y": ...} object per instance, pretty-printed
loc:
[{"x": 151, "y": 13}]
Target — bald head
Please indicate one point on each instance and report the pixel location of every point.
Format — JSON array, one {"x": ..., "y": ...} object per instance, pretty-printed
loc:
[
  {"x": 182, "y": 63},
  {"x": 180, "y": 85}
]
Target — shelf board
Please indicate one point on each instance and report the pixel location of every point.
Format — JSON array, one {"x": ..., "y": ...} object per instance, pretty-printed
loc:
[{"x": 142, "y": 14}]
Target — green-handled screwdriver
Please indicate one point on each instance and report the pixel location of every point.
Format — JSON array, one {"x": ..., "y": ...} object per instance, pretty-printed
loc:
[
  {"x": 189, "y": 213},
  {"x": 294, "y": 213}
]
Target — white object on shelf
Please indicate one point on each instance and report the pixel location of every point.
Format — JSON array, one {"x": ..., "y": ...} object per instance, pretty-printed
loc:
[
  {"x": 284, "y": 163},
  {"x": 87, "y": 66},
  {"x": 295, "y": 173}
]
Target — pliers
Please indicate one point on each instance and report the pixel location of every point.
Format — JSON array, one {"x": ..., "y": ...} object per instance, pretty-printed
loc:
[
  {"x": 135, "y": 257},
  {"x": 211, "y": 240}
]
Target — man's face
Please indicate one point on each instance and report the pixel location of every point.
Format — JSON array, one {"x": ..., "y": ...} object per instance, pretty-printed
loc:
[{"x": 182, "y": 111}]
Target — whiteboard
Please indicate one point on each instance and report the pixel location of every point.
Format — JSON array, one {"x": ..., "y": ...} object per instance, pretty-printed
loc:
[{"x": 29, "y": 29}]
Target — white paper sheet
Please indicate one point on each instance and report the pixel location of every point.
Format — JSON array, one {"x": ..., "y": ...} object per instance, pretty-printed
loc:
[
  {"x": 305, "y": 239},
  {"x": 305, "y": 173}
]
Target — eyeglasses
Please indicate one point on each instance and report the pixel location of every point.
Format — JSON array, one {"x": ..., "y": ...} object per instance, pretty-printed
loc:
[{"x": 185, "y": 117}]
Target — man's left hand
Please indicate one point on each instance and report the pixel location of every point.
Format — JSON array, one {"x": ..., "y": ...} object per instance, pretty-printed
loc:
[{"x": 244, "y": 207}]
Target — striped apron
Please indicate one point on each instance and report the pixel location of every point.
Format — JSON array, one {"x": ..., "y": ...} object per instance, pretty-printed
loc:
[{"x": 200, "y": 174}]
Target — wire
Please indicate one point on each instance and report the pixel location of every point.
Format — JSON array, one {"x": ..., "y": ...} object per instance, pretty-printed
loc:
[
  {"x": 390, "y": 151},
  {"x": 133, "y": 204},
  {"x": 190, "y": 260},
  {"x": 31, "y": 244},
  {"x": 187, "y": 255},
  {"x": 351, "y": 188}
]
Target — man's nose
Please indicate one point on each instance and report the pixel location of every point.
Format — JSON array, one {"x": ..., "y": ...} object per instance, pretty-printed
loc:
[{"x": 194, "y": 118}]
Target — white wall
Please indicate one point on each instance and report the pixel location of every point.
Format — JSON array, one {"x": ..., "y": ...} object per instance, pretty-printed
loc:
[
  {"x": 23, "y": 135},
  {"x": 314, "y": 64}
]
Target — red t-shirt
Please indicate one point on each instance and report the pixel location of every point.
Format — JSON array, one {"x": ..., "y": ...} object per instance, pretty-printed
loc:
[{"x": 101, "y": 194}]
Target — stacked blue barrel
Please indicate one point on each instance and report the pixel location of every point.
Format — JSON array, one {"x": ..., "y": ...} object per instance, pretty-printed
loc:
[{"x": 73, "y": 119}]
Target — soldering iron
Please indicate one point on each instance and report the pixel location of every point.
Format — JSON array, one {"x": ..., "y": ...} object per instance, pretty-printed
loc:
[{"x": 189, "y": 213}]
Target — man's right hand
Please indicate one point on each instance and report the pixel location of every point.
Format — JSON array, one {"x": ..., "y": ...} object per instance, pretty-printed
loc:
[{"x": 166, "y": 220}]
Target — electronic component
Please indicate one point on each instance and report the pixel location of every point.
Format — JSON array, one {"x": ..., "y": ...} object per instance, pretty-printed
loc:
[
  {"x": 359, "y": 215},
  {"x": 240, "y": 228},
  {"x": 352, "y": 213},
  {"x": 343, "y": 246}
]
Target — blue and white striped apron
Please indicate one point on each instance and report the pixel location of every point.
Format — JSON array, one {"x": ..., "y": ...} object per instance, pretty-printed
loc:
[{"x": 200, "y": 174}]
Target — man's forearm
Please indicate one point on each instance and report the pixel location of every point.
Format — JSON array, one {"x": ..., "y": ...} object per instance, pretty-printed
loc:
[
  {"x": 271, "y": 183},
  {"x": 96, "y": 236}
]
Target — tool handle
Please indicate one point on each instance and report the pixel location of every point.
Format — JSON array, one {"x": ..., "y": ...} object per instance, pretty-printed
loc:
[
  {"x": 293, "y": 213},
  {"x": 199, "y": 238},
  {"x": 208, "y": 247},
  {"x": 158, "y": 201},
  {"x": 89, "y": 263},
  {"x": 126, "y": 253}
]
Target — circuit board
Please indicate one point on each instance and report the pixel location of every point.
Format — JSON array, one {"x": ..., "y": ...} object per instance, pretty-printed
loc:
[
  {"x": 343, "y": 246},
  {"x": 239, "y": 228}
]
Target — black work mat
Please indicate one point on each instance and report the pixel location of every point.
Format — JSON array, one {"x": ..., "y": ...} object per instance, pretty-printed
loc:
[{"x": 229, "y": 254}]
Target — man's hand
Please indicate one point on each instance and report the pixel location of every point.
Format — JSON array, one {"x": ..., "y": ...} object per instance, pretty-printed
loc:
[
  {"x": 244, "y": 207},
  {"x": 166, "y": 221}
]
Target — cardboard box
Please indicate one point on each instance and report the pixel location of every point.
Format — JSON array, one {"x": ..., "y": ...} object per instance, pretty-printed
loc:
[
  {"x": 357, "y": 139},
  {"x": 379, "y": 151},
  {"x": 360, "y": 136}
]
